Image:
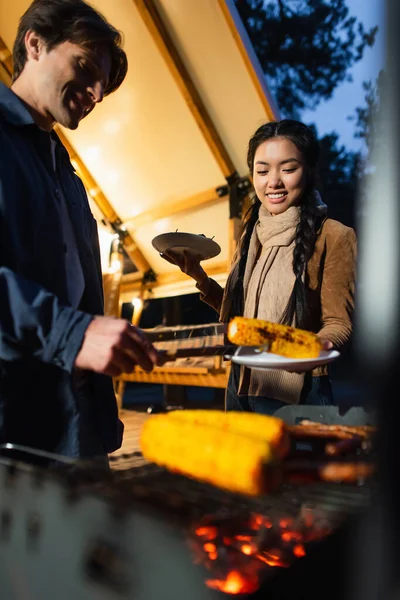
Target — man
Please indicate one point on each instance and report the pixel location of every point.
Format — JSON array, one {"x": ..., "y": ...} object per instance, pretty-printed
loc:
[{"x": 56, "y": 357}]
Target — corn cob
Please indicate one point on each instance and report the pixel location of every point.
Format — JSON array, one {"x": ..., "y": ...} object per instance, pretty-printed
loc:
[
  {"x": 225, "y": 459},
  {"x": 276, "y": 338},
  {"x": 264, "y": 427}
]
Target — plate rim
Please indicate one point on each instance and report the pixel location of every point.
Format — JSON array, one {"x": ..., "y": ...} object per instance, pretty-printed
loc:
[
  {"x": 285, "y": 361},
  {"x": 195, "y": 236}
]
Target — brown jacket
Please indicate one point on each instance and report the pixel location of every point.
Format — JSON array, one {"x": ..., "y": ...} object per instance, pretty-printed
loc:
[{"x": 330, "y": 284}]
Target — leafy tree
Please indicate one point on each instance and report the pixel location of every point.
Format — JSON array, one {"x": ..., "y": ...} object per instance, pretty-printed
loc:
[
  {"x": 366, "y": 117},
  {"x": 305, "y": 47}
]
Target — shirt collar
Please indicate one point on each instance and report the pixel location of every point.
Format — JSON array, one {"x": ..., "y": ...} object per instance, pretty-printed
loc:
[{"x": 13, "y": 109}]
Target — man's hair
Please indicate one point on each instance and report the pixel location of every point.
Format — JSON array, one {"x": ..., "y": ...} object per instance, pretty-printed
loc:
[{"x": 58, "y": 21}]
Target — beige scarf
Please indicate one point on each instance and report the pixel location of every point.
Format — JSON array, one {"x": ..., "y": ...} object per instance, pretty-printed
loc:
[
  {"x": 320, "y": 208},
  {"x": 273, "y": 242},
  {"x": 268, "y": 283}
]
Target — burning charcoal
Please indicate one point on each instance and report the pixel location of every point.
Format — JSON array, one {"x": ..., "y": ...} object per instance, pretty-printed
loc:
[
  {"x": 299, "y": 550},
  {"x": 291, "y": 536},
  {"x": 235, "y": 583},
  {"x": 258, "y": 522},
  {"x": 207, "y": 532},
  {"x": 248, "y": 548},
  {"x": 273, "y": 558},
  {"x": 285, "y": 523}
]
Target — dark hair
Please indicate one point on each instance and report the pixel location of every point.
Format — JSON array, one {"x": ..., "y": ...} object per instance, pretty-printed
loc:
[
  {"x": 309, "y": 223},
  {"x": 58, "y": 21}
]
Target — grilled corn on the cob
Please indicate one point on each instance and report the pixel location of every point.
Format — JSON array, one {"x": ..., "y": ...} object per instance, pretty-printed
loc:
[
  {"x": 264, "y": 427},
  {"x": 225, "y": 459},
  {"x": 279, "y": 339}
]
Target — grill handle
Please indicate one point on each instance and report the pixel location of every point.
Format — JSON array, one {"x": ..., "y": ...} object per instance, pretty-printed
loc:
[{"x": 170, "y": 355}]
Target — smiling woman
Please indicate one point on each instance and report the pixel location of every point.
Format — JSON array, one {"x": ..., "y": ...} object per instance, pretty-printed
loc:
[
  {"x": 279, "y": 175},
  {"x": 293, "y": 265}
]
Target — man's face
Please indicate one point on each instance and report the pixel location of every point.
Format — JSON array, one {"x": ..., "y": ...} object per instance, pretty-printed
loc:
[{"x": 69, "y": 81}]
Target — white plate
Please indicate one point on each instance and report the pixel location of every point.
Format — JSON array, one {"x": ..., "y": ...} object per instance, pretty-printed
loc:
[
  {"x": 260, "y": 361},
  {"x": 179, "y": 241}
]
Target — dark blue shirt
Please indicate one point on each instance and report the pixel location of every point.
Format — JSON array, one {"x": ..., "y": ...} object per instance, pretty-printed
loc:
[{"x": 40, "y": 333}]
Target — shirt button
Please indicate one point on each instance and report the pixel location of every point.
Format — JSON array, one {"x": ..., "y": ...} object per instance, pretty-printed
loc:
[{"x": 57, "y": 193}]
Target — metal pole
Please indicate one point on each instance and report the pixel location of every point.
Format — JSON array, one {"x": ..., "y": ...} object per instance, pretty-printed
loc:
[{"x": 377, "y": 551}]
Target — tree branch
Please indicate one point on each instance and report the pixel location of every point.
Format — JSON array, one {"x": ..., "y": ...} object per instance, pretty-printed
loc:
[{"x": 282, "y": 13}]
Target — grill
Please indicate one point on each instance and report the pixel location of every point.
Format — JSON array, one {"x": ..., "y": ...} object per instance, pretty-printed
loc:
[
  {"x": 137, "y": 496},
  {"x": 192, "y": 499},
  {"x": 194, "y": 506}
]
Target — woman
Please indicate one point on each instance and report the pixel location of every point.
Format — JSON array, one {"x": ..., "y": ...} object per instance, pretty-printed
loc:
[{"x": 293, "y": 265}]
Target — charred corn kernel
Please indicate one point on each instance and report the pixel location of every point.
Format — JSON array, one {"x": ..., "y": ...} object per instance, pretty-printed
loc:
[
  {"x": 279, "y": 339},
  {"x": 225, "y": 459},
  {"x": 264, "y": 427}
]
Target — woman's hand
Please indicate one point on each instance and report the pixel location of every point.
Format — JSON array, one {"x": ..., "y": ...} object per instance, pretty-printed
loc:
[
  {"x": 188, "y": 263},
  {"x": 326, "y": 344}
]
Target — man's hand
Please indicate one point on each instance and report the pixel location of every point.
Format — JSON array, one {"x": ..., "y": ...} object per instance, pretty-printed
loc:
[{"x": 113, "y": 346}]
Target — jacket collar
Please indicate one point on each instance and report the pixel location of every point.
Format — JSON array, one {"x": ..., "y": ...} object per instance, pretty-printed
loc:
[{"x": 13, "y": 109}]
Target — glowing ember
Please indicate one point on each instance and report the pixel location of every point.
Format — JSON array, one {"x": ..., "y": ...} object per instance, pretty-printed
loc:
[
  {"x": 256, "y": 521},
  {"x": 208, "y": 533},
  {"x": 235, "y": 583},
  {"x": 285, "y": 523},
  {"x": 210, "y": 547},
  {"x": 272, "y": 560},
  {"x": 243, "y": 538},
  {"x": 291, "y": 536},
  {"x": 248, "y": 549},
  {"x": 227, "y": 541},
  {"x": 299, "y": 550}
]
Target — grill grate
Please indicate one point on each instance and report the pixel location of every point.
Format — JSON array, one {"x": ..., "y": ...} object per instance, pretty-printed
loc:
[{"x": 192, "y": 499}]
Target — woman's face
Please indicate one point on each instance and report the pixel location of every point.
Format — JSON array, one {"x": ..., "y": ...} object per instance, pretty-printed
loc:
[{"x": 279, "y": 175}]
